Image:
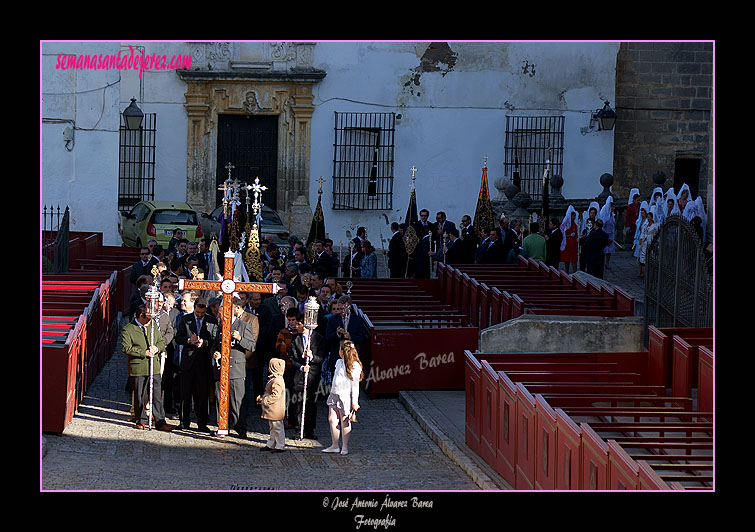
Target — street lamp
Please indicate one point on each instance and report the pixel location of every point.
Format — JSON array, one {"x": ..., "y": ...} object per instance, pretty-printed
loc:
[
  {"x": 133, "y": 116},
  {"x": 605, "y": 118}
]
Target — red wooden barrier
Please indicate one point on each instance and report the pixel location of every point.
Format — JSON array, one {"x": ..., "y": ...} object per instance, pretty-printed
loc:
[
  {"x": 568, "y": 452},
  {"x": 488, "y": 413},
  {"x": 660, "y": 346},
  {"x": 506, "y": 458},
  {"x": 472, "y": 391},
  {"x": 684, "y": 363},
  {"x": 623, "y": 471},
  {"x": 525, "y": 430},
  {"x": 545, "y": 445},
  {"x": 705, "y": 382},
  {"x": 594, "y": 460},
  {"x": 649, "y": 479}
]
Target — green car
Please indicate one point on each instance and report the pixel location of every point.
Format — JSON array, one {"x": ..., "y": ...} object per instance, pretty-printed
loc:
[{"x": 156, "y": 220}]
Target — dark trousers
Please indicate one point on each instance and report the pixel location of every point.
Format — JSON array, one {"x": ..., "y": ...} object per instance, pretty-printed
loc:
[
  {"x": 167, "y": 384},
  {"x": 140, "y": 386},
  {"x": 194, "y": 385},
  {"x": 236, "y": 395},
  {"x": 310, "y": 405}
]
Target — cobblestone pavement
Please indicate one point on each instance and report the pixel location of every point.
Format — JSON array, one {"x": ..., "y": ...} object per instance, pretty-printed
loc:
[
  {"x": 414, "y": 442},
  {"x": 101, "y": 450}
]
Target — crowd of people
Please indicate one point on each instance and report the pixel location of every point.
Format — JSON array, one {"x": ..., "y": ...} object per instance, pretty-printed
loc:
[
  {"x": 583, "y": 241},
  {"x": 271, "y": 350}
]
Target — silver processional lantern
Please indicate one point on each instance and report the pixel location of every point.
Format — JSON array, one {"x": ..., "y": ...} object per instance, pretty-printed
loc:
[
  {"x": 153, "y": 302},
  {"x": 311, "y": 308}
]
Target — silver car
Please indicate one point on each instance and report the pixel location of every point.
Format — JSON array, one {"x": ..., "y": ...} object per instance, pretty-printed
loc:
[{"x": 271, "y": 225}]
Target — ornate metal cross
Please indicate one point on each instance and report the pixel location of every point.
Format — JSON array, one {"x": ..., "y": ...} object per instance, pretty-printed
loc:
[
  {"x": 228, "y": 286},
  {"x": 229, "y": 166}
]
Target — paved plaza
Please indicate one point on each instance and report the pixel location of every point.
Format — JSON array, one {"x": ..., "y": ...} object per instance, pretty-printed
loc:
[{"x": 412, "y": 442}]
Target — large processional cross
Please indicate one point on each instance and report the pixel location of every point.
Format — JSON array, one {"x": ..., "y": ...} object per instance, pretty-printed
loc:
[{"x": 228, "y": 286}]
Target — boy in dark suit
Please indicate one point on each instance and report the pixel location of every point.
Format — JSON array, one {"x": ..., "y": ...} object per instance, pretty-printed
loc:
[
  {"x": 242, "y": 338},
  {"x": 198, "y": 333}
]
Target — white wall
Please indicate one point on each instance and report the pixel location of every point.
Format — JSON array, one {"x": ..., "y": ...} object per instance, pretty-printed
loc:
[
  {"x": 450, "y": 119},
  {"x": 454, "y": 117},
  {"x": 85, "y": 178}
]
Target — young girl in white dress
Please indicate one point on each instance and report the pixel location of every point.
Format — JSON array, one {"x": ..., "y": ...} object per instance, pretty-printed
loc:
[{"x": 343, "y": 401}]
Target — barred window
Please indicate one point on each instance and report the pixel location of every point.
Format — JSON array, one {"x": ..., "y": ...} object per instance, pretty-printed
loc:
[
  {"x": 136, "y": 163},
  {"x": 530, "y": 142},
  {"x": 363, "y": 161}
]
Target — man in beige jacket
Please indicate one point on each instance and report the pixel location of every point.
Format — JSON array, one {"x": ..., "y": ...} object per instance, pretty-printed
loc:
[{"x": 273, "y": 403}]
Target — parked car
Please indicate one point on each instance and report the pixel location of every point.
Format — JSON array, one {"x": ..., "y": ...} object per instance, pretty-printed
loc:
[
  {"x": 271, "y": 225},
  {"x": 156, "y": 220}
]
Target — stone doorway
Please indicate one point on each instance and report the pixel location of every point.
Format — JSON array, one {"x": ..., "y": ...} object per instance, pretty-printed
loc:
[
  {"x": 250, "y": 143},
  {"x": 285, "y": 97}
]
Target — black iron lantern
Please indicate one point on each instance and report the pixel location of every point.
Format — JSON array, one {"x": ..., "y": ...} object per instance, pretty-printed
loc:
[
  {"x": 606, "y": 118},
  {"x": 133, "y": 116}
]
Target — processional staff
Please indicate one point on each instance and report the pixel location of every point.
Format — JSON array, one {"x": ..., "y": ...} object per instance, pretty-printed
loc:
[
  {"x": 153, "y": 310},
  {"x": 311, "y": 308},
  {"x": 228, "y": 286}
]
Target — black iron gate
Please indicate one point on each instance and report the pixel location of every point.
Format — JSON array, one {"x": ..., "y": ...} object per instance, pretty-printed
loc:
[
  {"x": 250, "y": 143},
  {"x": 678, "y": 285}
]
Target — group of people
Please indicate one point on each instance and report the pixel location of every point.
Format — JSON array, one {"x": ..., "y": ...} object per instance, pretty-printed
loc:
[
  {"x": 571, "y": 241},
  {"x": 271, "y": 350},
  {"x": 644, "y": 217}
]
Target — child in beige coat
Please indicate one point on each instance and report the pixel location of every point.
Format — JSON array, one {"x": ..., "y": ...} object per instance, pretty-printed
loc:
[{"x": 273, "y": 402}]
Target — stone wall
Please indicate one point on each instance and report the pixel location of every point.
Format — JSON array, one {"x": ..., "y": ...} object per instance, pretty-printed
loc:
[
  {"x": 663, "y": 103},
  {"x": 532, "y": 333}
]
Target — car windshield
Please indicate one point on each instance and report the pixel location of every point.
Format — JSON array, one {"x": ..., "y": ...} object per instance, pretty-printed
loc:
[
  {"x": 171, "y": 216},
  {"x": 270, "y": 217}
]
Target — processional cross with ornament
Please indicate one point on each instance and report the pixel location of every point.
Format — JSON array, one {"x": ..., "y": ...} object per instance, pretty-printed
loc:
[{"x": 228, "y": 286}]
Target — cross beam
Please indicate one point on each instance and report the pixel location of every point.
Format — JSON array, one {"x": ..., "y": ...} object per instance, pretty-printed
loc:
[{"x": 228, "y": 286}]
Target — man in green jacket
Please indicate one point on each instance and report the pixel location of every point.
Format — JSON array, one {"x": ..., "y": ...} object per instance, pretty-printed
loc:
[
  {"x": 534, "y": 244},
  {"x": 136, "y": 340}
]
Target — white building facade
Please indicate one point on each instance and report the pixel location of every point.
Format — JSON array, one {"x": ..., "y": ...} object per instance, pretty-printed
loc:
[{"x": 445, "y": 106}]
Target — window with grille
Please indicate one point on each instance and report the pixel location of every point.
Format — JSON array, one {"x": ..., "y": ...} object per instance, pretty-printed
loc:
[
  {"x": 530, "y": 142},
  {"x": 363, "y": 161},
  {"x": 136, "y": 163}
]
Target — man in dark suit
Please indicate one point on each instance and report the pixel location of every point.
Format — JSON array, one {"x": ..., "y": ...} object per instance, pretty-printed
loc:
[
  {"x": 321, "y": 260},
  {"x": 198, "y": 334},
  {"x": 338, "y": 330},
  {"x": 242, "y": 339},
  {"x": 479, "y": 254},
  {"x": 553, "y": 243},
  {"x": 442, "y": 226},
  {"x": 422, "y": 259},
  {"x": 469, "y": 239},
  {"x": 453, "y": 250},
  {"x": 593, "y": 249},
  {"x": 263, "y": 349},
  {"x": 355, "y": 258},
  {"x": 143, "y": 266},
  {"x": 507, "y": 236},
  {"x": 299, "y": 354},
  {"x": 397, "y": 256},
  {"x": 494, "y": 254}
]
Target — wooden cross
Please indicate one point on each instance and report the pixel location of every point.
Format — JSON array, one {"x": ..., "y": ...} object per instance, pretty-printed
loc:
[{"x": 228, "y": 286}]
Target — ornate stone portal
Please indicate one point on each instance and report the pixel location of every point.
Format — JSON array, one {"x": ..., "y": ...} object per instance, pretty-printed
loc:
[{"x": 285, "y": 92}]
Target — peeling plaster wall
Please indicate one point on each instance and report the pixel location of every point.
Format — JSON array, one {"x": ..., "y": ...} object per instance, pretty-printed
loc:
[
  {"x": 86, "y": 177},
  {"x": 453, "y": 99}
]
